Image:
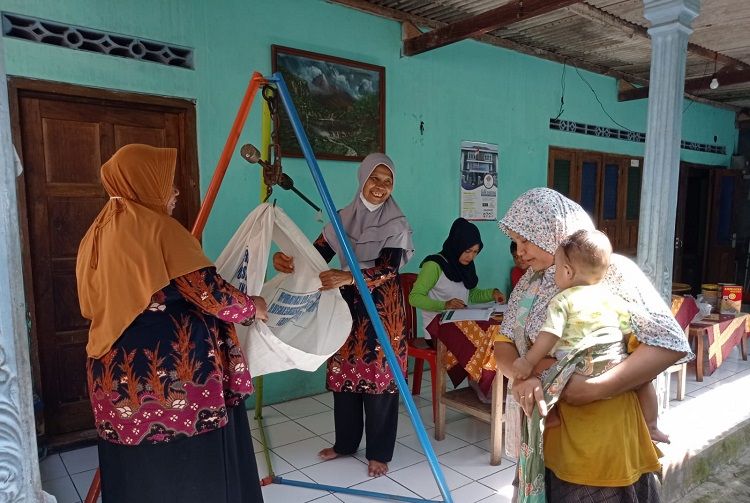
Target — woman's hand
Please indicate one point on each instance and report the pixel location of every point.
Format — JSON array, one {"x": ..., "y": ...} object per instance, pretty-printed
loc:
[
  {"x": 528, "y": 393},
  {"x": 283, "y": 262},
  {"x": 581, "y": 390},
  {"x": 498, "y": 296},
  {"x": 335, "y": 278},
  {"x": 522, "y": 368},
  {"x": 261, "y": 308},
  {"x": 455, "y": 304}
]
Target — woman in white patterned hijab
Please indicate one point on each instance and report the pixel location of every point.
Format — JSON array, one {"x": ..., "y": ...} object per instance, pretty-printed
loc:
[{"x": 602, "y": 448}]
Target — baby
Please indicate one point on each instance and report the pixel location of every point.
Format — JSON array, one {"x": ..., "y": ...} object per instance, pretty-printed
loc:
[{"x": 585, "y": 306}]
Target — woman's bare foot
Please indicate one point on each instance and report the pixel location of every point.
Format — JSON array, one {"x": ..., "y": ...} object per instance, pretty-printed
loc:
[
  {"x": 658, "y": 436},
  {"x": 376, "y": 468},
  {"x": 328, "y": 454}
]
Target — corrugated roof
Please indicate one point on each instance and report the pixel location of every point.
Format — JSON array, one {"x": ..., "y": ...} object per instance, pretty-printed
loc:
[{"x": 607, "y": 36}]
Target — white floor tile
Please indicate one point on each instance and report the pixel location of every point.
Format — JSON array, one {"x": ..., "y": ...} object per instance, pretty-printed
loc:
[
  {"x": 331, "y": 438},
  {"x": 325, "y": 398},
  {"x": 318, "y": 423},
  {"x": 280, "y": 466},
  {"x": 327, "y": 499},
  {"x": 500, "y": 497},
  {"x": 451, "y": 416},
  {"x": 485, "y": 444},
  {"x": 283, "y": 434},
  {"x": 402, "y": 457},
  {"x": 301, "y": 407},
  {"x": 81, "y": 460},
  {"x": 82, "y": 482},
  {"x": 52, "y": 467},
  {"x": 470, "y": 461},
  {"x": 257, "y": 444},
  {"x": 450, "y": 443},
  {"x": 501, "y": 481},
  {"x": 382, "y": 485},
  {"x": 425, "y": 413},
  {"x": 344, "y": 471},
  {"x": 470, "y": 429},
  {"x": 303, "y": 453},
  {"x": 63, "y": 489},
  {"x": 420, "y": 479},
  {"x": 420, "y": 401},
  {"x": 470, "y": 493},
  {"x": 287, "y": 493},
  {"x": 271, "y": 416},
  {"x": 404, "y": 428}
]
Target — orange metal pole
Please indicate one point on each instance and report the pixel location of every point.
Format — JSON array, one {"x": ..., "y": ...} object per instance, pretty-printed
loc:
[
  {"x": 95, "y": 489},
  {"x": 221, "y": 167}
]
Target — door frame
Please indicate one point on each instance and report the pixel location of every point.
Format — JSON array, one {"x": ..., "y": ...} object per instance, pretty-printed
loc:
[{"x": 19, "y": 87}]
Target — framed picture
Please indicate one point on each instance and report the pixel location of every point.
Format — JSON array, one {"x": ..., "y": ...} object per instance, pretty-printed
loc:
[{"x": 341, "y": 104}]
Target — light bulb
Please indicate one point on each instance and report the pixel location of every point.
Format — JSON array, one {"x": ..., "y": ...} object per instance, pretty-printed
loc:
[{"x": 714, "y": 83}]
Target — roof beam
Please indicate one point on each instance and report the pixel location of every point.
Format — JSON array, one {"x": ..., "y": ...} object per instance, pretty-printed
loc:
[
  {"x": 726, "y": 78},
  {"x": 482, "y": 23}
]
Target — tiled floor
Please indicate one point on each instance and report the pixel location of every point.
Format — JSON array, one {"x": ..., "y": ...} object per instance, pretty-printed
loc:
[{"x": 298, "y": 429}]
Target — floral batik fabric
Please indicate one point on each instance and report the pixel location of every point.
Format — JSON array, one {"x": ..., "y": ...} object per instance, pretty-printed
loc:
[
  {"x": 177, "y": 368},
  {"x": 360, "y": 365}
]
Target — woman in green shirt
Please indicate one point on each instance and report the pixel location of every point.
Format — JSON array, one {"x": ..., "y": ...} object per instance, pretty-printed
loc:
[{"x": 448, "y": 279}]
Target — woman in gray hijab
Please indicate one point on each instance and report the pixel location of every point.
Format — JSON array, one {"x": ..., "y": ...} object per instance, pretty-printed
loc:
[{"x": 363, "y": 385}]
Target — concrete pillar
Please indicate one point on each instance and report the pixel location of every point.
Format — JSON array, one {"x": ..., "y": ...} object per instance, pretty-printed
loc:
[
  {"x": 670, "y": 30},
  {"x": 19, "y": 466}
]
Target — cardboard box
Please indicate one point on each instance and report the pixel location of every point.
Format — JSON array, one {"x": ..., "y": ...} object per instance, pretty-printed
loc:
[{"x": 731, "y": 299}]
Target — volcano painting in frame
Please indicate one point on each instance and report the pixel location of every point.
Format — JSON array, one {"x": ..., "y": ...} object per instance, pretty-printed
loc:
[{"x": 341, "y": 104}]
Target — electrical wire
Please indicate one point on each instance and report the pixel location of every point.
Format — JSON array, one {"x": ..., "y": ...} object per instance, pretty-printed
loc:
[
  {"x": 601, "y": 104},
  {"x": 562, "y": 92},
  {"x": 687, "y": 107}
]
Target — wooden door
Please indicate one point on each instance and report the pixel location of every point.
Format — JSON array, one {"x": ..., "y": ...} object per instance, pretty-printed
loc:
[
  {"x": 64, "y": 134},
  {"x": 607, "y": 186},
  {"x": 679, "y": 228},
  {"x": 721, "y": 253}
]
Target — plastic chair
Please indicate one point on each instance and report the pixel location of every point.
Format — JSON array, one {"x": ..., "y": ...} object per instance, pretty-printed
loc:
[{"x": 420, "y": 354}]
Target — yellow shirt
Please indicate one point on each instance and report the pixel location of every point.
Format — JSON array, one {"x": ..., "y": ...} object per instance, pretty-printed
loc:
[{"x": 604, "y": 443}]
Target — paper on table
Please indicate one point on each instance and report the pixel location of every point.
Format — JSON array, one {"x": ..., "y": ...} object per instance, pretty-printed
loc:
[
  {"x": 495, "y": 306},
  {"x": 466, "y": 315}
]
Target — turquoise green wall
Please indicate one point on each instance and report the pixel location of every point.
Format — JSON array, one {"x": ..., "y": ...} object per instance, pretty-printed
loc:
[{"x": 466, "y": 91}]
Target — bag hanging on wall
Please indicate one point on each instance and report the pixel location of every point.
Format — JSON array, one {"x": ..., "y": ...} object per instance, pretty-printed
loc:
[{"x": 305, "y": 326}]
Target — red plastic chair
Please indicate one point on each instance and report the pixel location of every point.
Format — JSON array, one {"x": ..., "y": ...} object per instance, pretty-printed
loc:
[{"x": 420, "y": 354}]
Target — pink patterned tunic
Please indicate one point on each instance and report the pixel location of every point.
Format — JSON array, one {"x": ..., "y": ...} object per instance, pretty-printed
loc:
[{"x": 177, "y": 368}]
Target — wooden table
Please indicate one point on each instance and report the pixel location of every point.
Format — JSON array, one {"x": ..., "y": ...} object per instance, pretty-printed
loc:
[
  {"x": 718, "y": 334},
  {"x": 465, "y": 399}
]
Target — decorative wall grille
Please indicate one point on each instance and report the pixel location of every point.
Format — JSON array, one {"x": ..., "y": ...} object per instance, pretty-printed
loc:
[
  {"x": 622, "y": 134},
  {"x": 86, "y": 39}
]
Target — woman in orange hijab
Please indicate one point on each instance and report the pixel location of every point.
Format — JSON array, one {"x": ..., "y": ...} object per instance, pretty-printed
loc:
[{"x": 166, "y": 376}]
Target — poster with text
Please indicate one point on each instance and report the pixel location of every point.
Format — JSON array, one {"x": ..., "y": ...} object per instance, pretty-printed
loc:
[{"x": 479, "y": 162}]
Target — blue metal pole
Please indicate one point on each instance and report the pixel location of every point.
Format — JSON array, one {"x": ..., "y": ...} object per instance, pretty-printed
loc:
[
  {"x": 364, "y": 292},
  {"x": 349, "y": 490}
]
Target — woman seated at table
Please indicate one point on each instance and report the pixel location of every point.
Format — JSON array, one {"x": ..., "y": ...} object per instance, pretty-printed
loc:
[{"x": 448, "y": 279}]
